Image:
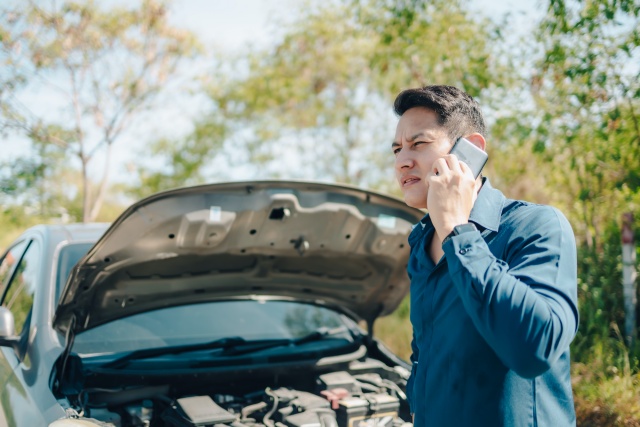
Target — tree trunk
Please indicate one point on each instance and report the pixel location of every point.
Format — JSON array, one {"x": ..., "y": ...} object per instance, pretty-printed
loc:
[
  {"x": 99, "y": 200},
  {"x": 86, "y": 191}
]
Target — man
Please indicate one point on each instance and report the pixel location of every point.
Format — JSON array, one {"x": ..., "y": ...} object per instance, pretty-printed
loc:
[{"x": 493, "y": 280}]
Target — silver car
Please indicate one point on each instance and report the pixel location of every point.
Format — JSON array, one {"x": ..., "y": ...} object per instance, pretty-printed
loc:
[{"x": 237, "y": 304}]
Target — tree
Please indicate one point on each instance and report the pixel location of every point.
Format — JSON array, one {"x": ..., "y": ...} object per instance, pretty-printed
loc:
[
  {"x": 587, "y": 93},
  {"x": 179, "y": 163},
  {"x": 317, "y": 105},
  {"x": 439, "y": 42},
  {"x": 586, "y": 144},
  {"x": 305, "y": 99},
  {"x": 105, "y": 67}
]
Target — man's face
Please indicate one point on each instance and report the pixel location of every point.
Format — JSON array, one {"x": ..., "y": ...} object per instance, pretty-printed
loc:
[{"x": 419, "y": 141}]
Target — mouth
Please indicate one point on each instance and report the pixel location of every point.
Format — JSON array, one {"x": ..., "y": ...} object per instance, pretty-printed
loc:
[{"x": 409, "y": 180}]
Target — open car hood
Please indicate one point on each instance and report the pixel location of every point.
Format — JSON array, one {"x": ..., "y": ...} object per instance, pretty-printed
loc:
[{"x": 335, "y": 245}]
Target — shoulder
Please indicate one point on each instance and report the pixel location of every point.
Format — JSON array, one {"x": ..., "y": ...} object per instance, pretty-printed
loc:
[{"x": 526, "y": 219}]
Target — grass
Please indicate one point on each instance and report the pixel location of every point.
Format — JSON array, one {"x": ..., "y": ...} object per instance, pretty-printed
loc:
[
  {"x": 605, "y": 397},
  {"x": 606, "y": 385},
  {"x": 395, "y": 332}
]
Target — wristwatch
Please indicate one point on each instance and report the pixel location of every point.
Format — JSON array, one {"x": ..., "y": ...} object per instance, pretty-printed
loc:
[{"x": 460, "y": 229}]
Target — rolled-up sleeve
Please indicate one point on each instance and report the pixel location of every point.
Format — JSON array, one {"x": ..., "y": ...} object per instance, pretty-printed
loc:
[{"x": 524, "y": 305}]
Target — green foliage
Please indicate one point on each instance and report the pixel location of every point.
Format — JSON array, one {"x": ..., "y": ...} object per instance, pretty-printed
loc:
[
  {"x": 26, "y": 181},
  {"x": 105, "y": 66},
  {"x": 600, "y": 298},
  {"x": 430, "y": 42},
  {"x": 606, "y": 371},
  {"x": 317, "y": 96},
  {"x": 14, "y": 221},
  {"x": 311, "y": 86},
  {"x": 589, "y": 114},
  {"x": 182, "y": 162},
  {"x": 589, "y": 150},
  {"x": 395, "y": 331}
]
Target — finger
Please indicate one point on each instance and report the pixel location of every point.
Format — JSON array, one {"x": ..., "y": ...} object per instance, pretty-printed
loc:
[
  {"x": 454, "y": 163},
  {"x": 440, "y": 167},
  {"x": 465, "y": 169}
]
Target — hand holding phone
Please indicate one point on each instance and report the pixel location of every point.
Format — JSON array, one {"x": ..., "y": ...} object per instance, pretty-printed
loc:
[
  {"x": 473, "y": 156},
  {"x": 450, "y": 198}
]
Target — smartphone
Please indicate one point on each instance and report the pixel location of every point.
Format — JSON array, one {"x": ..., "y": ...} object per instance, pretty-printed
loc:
[{"x": 474, "y": 157}]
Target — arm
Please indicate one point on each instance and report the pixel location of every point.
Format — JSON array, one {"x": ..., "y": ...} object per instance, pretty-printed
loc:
[{"x": 524, "y": 306}]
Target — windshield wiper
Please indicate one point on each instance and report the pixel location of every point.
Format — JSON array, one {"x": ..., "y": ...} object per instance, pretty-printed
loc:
[
  {"x": 252, "y": 347},
  {"x": 228, "y": 342},
  {"x": 231, "y": 346}
]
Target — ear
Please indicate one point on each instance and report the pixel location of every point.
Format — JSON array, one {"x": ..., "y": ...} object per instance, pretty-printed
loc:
[{"x": 477, "y": 140}]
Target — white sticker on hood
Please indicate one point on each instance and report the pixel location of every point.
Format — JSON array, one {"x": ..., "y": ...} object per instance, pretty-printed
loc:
[
  {"x": 386, "y": 221},
  {"x": 215, "y": 214}
]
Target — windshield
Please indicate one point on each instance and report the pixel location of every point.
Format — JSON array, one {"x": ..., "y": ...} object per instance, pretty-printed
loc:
[{"x": 205, "y": 322}]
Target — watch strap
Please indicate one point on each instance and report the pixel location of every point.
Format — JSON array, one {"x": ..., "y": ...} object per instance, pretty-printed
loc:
[{"x": 447, "y": 238}]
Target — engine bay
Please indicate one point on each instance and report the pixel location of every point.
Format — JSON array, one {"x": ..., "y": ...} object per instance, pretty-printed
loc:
[{"x": 366, "y": 393}]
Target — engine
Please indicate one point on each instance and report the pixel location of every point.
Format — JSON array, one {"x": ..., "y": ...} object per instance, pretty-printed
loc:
[{"x": 368, "y": 394}]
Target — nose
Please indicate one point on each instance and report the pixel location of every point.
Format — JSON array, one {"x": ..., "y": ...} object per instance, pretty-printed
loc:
[{"x": 404, "y": 159}]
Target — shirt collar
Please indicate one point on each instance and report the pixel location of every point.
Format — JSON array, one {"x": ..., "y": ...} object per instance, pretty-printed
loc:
[{"x": 486, "y": 211}]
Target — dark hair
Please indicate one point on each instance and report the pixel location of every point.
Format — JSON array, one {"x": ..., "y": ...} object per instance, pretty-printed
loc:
[{"x": 457, "y": 111}]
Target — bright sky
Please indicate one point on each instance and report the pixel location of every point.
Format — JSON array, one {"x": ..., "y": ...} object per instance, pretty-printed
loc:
[{"x": 228, "y": 26}]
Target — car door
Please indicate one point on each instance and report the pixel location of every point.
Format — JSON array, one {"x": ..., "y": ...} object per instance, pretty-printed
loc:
[
  {"x": 8, "y": 265},
  {"x": 16, "y": 403}
]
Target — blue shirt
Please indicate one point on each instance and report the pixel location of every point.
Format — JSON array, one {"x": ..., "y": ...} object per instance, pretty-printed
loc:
[{"x": 493, "y": 320}]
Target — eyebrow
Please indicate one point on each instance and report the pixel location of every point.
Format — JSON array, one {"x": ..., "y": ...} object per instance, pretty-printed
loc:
[{"x": 413, "y": 138}]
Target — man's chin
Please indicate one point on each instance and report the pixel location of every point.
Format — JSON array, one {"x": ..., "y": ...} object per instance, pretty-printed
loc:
[{"x": 415, "y": 201}]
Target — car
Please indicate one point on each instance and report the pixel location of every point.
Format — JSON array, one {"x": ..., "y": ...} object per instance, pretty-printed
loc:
[{"x": 231, "y": 304}]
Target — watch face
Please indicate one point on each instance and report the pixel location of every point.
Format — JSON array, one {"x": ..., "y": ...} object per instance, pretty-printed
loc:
[{"x": 464, "y": 228}]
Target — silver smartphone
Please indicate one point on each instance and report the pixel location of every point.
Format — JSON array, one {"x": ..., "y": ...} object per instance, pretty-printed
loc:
[{"x": 474, "y": 157}]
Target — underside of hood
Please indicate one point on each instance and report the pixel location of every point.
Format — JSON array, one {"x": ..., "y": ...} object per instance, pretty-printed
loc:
[{"x": 325, "y": 244}]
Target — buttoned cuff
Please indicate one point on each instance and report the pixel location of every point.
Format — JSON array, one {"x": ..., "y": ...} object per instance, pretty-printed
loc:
[{"x": 462, "y": 250}]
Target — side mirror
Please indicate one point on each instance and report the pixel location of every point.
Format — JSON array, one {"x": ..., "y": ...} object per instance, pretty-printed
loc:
[{"x": 8, "y": 336}]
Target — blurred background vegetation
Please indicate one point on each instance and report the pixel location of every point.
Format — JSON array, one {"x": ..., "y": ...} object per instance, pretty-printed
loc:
[{"x": 78, "y": 78}]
